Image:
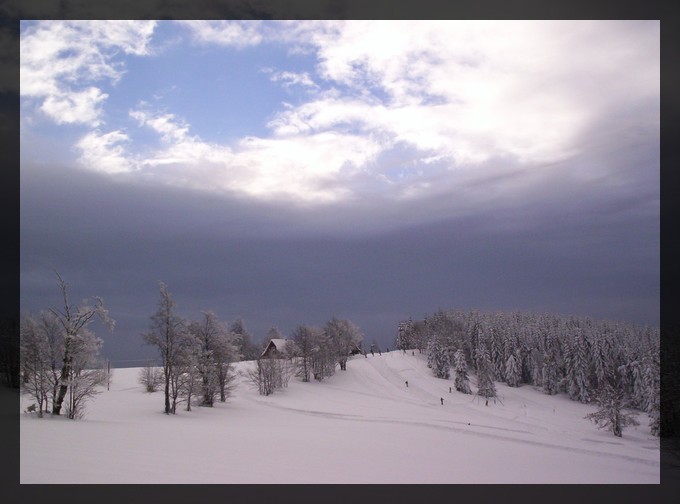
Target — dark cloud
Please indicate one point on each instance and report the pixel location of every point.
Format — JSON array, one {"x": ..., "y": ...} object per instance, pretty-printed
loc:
[{"x": 561, "y": 238}]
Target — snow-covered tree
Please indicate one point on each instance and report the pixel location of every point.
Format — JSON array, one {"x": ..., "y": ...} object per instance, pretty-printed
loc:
[
  {"x": 439, "y": 358},
  {"x": 512, "y": 372},
  {"x": 404, "y": 339},
  {"x": 269, "y": 374},
  {"x": 168, "y": 333},
  {"x": 324, "y": 355},
  {"x": 243, "y": 340},
  {"x": 550, "y": 369},
  {"x": 35, "y": 367},
  {"x": 485, "y": 379},
  {"x": 652, "y": 392},
  {"x": 577, "y": 369},
  {"x": 214, "y": 354},
  {"x": 151, "y": 377},
  {"x": 611, "y": 412},
  {"x": 461, "y": 381},
  {"x": 304, "y": 346},
  {"x": 343, "y": 336},
  {"x": 80, "y": 347},
  {"x": 88, "y": 375}
]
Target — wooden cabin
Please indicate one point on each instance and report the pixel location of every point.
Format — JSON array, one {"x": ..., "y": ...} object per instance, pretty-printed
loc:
[{"x": 275, "y": 349}]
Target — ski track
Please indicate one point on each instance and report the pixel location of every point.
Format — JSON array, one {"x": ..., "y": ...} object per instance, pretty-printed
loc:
[{"x": 392, "y": 381}]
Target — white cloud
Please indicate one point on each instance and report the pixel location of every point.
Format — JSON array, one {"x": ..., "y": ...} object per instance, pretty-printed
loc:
[
  {"x": 61, "y": 60},
  {"x": 104, "y": 153},
  {"x": 311, "y": 168},
  {"x": 453, "y": 97},
  {"x": 226, "y": 33},
  {"x": 476, "y": 90},
  {"x": 75, "y": 107},
  {"x": 165, "y": 124},
  {"x": 293, "y": 78}
]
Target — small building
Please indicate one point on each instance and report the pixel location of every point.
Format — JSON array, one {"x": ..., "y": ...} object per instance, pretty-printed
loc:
[
  {"x": 355, "y": 349},
  {"x": 275, "y": 349}
]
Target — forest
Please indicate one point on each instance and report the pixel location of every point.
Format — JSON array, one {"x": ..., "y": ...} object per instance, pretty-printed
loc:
[{"x": 613, "y": 364}]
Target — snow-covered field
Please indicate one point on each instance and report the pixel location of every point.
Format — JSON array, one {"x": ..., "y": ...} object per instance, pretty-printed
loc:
[{"x": 362, "y": 425}]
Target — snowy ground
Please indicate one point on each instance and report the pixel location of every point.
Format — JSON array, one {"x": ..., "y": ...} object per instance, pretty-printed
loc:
[{"x": 362, "y": 425}]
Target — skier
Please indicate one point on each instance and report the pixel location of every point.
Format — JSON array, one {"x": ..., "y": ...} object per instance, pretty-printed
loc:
[
  {"x": 449, "y": 390},
  {"x": 406, "y": 383},
  {"x": 442, "y": 400}
]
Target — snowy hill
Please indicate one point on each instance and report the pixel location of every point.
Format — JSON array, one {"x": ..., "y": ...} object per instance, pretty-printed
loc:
[{"x": 363, "y": 425}]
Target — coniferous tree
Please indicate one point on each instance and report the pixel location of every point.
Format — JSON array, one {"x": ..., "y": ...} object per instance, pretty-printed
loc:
[
  {"x": 578, "y": 386},
  {"x": 485, "y": 378},
  {"x": 652, "y": 391},
  {"x": 512, "y": 372},
  {"x": 404, "y": 339},
  {"x": 248, "y": 350},
  {"x": 611, "y": 412},
  {"x": 439, "y": 358},
  {"x": 461, "y": 382}
]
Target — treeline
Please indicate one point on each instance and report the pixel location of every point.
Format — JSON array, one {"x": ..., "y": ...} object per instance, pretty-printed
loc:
[
  {"x": 589, "y": 360},
  {"x": 197, "y": 356},
  {"x": 59, "y": 362}
]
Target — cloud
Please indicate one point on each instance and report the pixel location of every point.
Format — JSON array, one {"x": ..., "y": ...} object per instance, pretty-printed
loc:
[
  {"x": 303, "y": 167},
  {"x": 225, "y": 33},
  {"x": 401, "y": 109},
  {"x": 289, "y": 79},
  {"x": 60, "y": 60},
  {"x": 103, "y": 152}
]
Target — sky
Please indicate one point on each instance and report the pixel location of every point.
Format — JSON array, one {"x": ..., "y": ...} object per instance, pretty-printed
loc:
[{"x": 285, "y": 172}]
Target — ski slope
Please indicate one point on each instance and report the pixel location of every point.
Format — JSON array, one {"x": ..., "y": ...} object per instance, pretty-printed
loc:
[{"x": 362, "y": 425}]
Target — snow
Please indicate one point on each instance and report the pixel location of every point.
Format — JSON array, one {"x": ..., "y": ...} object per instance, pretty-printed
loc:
[{"x": 362, "y": 425}]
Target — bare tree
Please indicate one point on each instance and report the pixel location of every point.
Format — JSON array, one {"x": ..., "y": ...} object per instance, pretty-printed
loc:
[
  {"x": 168, "y": 333},
  {"x": 269, "y": 374},
  {"x": 151, "y": 377},
  {"x": 88, "y": 375},
  {"x": 344, "y": 337},
  {"x": 74, "y": 321},
  {"x": 215, "y": 353},
  {"x": 34, "y": 363}
]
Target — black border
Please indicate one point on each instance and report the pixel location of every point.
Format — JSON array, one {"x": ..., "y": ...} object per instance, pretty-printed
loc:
[{"x": 14, "y": 10}]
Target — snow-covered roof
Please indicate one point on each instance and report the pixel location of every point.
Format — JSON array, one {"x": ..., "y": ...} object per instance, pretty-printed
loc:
[{"x": 278, "y": 343}]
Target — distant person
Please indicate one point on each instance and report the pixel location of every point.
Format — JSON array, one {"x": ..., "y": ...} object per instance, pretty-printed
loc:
[
  {"x": 372, "y": 353},
  {"x": 379, "y": 352},
  {"x": 404, "y": 351},
  {"x": 388, "y": 349},
  {"x": 413, "y": 352},
  {"x": 442, "y": 400},
  {"x": 406, "y": 383},
  {"x": 449, "y": 390}
]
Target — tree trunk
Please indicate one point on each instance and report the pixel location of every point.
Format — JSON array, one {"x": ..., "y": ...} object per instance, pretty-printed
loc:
[
  {"x": 63, "y": 388},
  {"x": 167, "y": 392}
]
